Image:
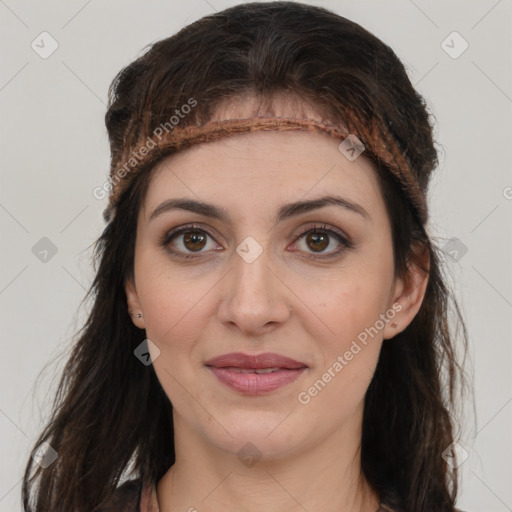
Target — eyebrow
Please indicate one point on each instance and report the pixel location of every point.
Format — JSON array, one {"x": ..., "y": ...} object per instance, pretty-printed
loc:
[{"x": 285, "y": 212}]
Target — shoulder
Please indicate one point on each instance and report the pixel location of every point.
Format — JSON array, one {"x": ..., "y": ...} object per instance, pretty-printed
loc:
[{"x": 126, "y": 498}]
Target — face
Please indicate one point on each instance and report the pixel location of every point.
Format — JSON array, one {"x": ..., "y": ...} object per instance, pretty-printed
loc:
[{"x": 268, "y": 244}]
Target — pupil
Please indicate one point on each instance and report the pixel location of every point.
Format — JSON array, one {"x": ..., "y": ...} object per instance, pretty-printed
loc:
[
  {"x": 195, "y": 241},
  {"x": 321, "y": 240}
]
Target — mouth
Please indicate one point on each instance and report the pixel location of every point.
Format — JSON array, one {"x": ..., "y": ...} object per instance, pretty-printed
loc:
[{"x": 255, "y": 374}]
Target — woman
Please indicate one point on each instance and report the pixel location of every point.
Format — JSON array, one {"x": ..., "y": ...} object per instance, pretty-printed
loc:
[{"x": 269, "y": 328}]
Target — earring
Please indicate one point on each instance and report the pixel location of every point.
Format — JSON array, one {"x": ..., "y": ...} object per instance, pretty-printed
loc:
[{"x": 137, "y": 315}]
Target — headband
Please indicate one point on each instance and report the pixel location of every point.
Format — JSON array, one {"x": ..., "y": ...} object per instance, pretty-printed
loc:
[{"x": 147, "y": 152}]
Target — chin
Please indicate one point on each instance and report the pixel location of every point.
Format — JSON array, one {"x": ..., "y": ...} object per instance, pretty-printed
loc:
[{"x": 256, "y": 434}]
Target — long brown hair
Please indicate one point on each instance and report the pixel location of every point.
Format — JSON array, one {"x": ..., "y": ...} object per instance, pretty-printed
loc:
[{"x": 111, "y": 417}]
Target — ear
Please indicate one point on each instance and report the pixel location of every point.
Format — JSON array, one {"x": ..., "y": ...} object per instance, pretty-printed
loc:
[
  {"x": 408, "y": 293},
  {"x": 133, "y": 304}
]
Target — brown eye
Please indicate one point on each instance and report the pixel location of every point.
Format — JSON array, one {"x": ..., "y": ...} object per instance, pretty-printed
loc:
[
  {"x": 187, "y": 240},
  {"x": 317, "y": 241},
  {"x": 194, "y": 240},
  {"x": 322, "y": 242}
]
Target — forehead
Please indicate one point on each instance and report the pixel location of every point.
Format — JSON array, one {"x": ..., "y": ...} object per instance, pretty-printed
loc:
[{"x": 267, "y": 164}]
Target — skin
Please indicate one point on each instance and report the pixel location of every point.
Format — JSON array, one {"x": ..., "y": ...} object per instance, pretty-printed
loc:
[{"x": 289, "y": 301}]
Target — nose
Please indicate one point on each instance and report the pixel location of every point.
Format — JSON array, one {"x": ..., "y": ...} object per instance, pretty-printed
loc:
[{"x": 254, "y": 298}]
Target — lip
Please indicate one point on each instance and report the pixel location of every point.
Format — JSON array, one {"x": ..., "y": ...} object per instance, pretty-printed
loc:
[{"x": 238, "y": 371}]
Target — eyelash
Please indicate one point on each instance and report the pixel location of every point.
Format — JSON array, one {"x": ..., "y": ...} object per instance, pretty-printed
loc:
[{"x": 344, "y": 242}]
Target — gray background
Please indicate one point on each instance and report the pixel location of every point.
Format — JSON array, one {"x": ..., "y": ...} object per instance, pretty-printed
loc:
[{"x": 54, "y": 152}]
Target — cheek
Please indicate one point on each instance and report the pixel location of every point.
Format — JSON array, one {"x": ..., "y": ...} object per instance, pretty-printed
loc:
[
  {"x": 351, "y": 306},
  {"x": 355, "y": 302},
  {"x": 173, "y": 300},
  {"x": 339, "y": 381},
  {"x": 174, "y": 315},
  {"x": 352, "y": 352}
]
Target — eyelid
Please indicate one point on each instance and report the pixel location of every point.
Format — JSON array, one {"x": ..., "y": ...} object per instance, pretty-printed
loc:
[
  {"x": 328, "y": 229},
  {"x": 168, "y": 235}
]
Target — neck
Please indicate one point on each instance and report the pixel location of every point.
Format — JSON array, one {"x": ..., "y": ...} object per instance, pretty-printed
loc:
[{"x": 325, "y": 477}]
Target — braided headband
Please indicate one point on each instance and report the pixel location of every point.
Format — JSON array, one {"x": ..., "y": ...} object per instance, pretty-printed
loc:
[{"x": 147, "y": 152}]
